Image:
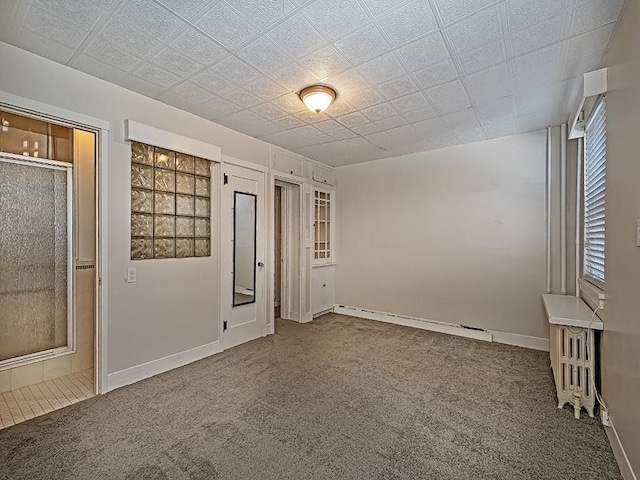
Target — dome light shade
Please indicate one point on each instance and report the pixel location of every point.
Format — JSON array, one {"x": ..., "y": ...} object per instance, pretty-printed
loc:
[{"x": 317, "y": 97}]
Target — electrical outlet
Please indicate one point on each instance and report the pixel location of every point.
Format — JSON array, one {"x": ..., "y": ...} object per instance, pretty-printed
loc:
[
  {"x": 131, "y": 275},
  {"x": 605, "y": 418}
]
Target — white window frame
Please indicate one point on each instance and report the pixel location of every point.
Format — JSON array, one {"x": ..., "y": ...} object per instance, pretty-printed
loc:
[
  {"x": 593, "y": 260},
  {"x": 330, "y": 259}
]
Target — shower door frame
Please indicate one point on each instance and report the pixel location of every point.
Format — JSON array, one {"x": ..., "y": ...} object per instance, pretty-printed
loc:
[
  {"x": 70, "y": 347},
  {"x": 101, "y": 129}
]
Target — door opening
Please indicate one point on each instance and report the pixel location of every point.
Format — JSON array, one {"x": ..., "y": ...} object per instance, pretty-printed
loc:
[
  {"x": 278, "y": 251},
  {"x": 48, "y": 291},
  {"x": 287, "y": 251}
]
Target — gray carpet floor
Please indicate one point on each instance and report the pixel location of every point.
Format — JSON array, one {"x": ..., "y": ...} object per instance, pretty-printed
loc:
[{"x": 339, "y": 398}]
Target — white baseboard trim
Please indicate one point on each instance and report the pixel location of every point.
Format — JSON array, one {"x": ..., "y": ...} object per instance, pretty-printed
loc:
[
  {"x": 414, "y": 322},
  {"x": 619, "y": 453},
  {"x": 526, "y": 341},
  {"x": 448, "y": 328},
  {"x": 323, "y": 312},
  {"x": 161, "y": 365}
]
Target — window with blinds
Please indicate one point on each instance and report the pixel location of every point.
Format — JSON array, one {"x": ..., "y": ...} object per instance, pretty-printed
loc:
[{"x": 594, "y": 193}]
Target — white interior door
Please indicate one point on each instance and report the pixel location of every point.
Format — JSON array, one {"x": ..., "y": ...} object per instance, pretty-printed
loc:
[{"x": 244, "y": 302}]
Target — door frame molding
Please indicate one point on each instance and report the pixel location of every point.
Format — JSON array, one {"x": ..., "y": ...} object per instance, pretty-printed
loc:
[{"x": 101, "y": 129}]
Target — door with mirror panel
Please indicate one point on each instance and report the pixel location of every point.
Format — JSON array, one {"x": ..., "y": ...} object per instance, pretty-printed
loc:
[{"x": 243, "y": 303}]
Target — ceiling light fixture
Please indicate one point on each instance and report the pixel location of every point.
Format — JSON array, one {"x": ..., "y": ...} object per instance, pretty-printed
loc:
[{"x": 317, "y": 97}]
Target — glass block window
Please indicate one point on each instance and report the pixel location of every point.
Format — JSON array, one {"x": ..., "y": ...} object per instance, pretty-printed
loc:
[
  {"x": 322, "y": 226},
  {"x": 170, "y": 204}
]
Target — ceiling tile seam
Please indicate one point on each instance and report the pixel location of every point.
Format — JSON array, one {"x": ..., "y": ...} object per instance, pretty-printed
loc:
[
  {"x": 407, "y": 69},
  {"x": 180, "y": 31},
  {"x": 566, "y": 30},
  {"x": 333, "y": 41},
  {"x": 12, "y": 21},
  {"x": 97, "y": 28},
  {"x": 158, "y": 49},
  {"x": 18, "y": 21},
  {"x": 422, "y": 89},
  {"x": 508, "y": 53},
  {"x": 454, "y": 57},
  {"x": 398, "y": 46},
  {"x": 297, "y": 61},
  {"x": 509, "y": 49},
  {"x": 251, "y": 38},
  {"x": 198, "y": 14},
  {"x": 471, "y": 14},
  {"x": 41, "y": 34},
  {"x": 265, "y": 31},
  {"x": 564, "y": 52},
  {"x": 365, "y": 8},
  {"x": 373, "y": 16},
  {"x": 182, "y": 81},
  {"x": 384, "y": 35}
]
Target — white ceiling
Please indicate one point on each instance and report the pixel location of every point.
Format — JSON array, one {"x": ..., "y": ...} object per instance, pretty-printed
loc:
[{"x": 411, "y": 75}]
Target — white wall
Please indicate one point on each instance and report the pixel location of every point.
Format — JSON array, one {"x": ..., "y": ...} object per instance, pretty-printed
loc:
[
  {"x": 621, "y": 336},
  {"x": 455, "y": 235},
  {"x": 173, "y": 306}
]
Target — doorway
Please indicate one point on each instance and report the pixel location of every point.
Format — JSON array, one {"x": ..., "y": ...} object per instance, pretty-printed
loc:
[
  {"x": 287, "y": 251},
  {"x": 48, "y": 291},
  {"x": 277, "y": 251}
]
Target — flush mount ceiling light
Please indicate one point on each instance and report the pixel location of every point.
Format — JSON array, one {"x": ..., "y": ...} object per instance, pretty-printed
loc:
[{"x": 317, "y": 97}]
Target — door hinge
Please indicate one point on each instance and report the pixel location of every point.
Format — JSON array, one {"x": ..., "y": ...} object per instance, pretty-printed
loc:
[
  {"x": 224, "y": 326},
  {"x": 226, "y": 178}
]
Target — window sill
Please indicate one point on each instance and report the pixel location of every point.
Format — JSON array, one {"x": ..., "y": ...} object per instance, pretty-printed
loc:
[{"x": 592, "y": 294}]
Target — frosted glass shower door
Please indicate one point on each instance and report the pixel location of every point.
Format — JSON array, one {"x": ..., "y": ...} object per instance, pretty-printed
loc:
[{"x": 35, "y": 259}]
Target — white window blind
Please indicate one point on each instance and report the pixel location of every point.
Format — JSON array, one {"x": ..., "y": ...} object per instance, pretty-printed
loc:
[{"x": 594, "y": 193}]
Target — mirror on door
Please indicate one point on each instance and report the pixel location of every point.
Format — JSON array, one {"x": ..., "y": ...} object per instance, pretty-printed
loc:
[{"x": 244, "y": 248}]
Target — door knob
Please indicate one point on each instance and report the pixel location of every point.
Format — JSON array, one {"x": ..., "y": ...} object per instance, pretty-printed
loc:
[{"x": 260, "y": 264}]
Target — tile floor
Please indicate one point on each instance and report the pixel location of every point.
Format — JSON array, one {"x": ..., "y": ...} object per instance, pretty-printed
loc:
[{"x": 34, "y": 400}]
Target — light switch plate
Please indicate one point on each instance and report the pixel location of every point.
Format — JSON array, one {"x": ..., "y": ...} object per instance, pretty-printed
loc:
[{"x": 131, "y": 275}]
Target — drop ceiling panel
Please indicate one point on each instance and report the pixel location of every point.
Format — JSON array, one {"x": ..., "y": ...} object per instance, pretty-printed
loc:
[
  {"x": 185, "y": 8},
  {"x": 261, "y": 13},
  {"x": 490, "y": 84},
  {"x": 408, "y": 22},
  {"x": 197, "y": 46},
  {"x": 483, "y": 57},
  {"x": 477, "y": 30},
  {"x": 226, "y": 26},
  {"x": 264, "y": 55},
  {"x": 150, "y": 17},
  {"x": 410, "y": 74},
  {"x": 441, "y": 72},
  {"x": 336, "y": 18},
  {"x": 524, "y": 13},
  {"x": 363, "y": 45},
  {"x": 452, "y": 10},
  {"x": 296, "y": 36}
]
